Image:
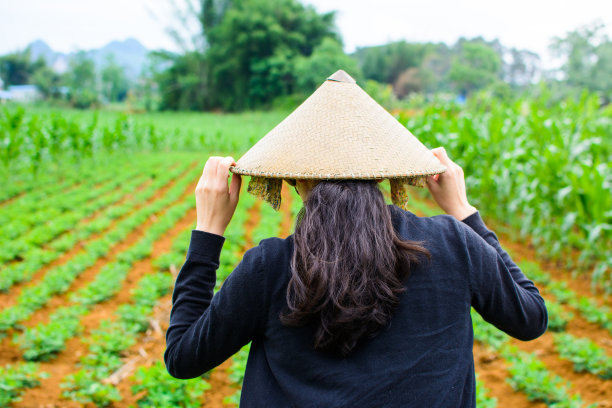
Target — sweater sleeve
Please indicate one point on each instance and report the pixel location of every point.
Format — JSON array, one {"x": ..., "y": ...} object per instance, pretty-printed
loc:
[
  {"x": 501, "y": 293},
  {"x": 204, "y": 329}
]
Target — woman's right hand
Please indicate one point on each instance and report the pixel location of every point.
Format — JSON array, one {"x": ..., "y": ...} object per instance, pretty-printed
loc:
[{"x": 448, "y": 188}]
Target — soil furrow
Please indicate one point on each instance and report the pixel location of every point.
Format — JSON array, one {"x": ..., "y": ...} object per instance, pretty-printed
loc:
[
  {"x": 591, "y": 388},
  {"x": 492, "y": 371},
  {"x": 66, "y": 362},
  {"x": 81, "y": 224},
  {"x": 85, "y": 278},
  {"x": 10, "y": 298}
]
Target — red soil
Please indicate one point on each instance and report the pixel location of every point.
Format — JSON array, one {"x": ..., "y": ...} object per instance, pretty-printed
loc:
[{"x": 65, "y": 362}]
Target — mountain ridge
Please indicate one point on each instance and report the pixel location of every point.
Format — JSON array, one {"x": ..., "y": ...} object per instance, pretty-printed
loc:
[{"x": 128, "y": 53}]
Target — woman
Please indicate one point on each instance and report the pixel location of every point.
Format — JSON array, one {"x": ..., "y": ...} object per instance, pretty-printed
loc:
[{"x": 364, "y": 305}]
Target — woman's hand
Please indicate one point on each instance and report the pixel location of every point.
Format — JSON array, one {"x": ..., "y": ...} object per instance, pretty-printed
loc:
[
  {"x": 448, "y": 188},
  {"x": 215, "y": 202}
]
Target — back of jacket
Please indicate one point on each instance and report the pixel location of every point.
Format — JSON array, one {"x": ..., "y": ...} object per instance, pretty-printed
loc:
[{"x": 422, "y": 358}]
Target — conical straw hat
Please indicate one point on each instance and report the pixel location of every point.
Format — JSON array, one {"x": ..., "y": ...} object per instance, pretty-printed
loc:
[{"x": 339, "y": 132}]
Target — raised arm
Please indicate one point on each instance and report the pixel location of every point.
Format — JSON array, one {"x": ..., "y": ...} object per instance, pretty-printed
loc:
[
  {"x": 501, "y": 293},
  {"x": 205, "y": 330}
]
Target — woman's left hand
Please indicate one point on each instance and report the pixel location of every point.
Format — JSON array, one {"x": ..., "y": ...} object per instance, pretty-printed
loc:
[{"x": 215, "y": 200}]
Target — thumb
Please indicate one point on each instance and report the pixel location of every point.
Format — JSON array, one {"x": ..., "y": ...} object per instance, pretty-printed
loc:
[
  {"x": 234, "y": 190},
  {"x": 433, "y": 184}
]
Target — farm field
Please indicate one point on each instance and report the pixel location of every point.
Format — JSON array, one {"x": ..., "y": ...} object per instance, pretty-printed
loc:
[{"x": 96, "y": 224}]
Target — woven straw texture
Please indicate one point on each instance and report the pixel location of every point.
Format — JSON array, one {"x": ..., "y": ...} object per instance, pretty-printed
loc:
[{"x": 339, "y": 132}]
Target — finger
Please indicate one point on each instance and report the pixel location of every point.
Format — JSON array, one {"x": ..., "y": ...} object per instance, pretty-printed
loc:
[
  {"x": 432, "y": 184},
  {"x": 223, "y": 171},
  {"x": 441, "y": 155},
  {"x": 234, "y": 190},
  {"x": 210, "y": 168}
]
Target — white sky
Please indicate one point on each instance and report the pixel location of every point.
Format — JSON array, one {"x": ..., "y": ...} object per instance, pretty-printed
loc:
[{"x": 67, "y": 25}]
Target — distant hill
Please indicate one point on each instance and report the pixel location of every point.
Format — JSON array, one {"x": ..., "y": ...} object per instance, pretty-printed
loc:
[{"x": 129, "y": 53}]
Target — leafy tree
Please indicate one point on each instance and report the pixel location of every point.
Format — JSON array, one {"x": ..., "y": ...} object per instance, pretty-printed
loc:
[
  {"x": 113, "y": 80},
  {"x": 326, "y": 59},
  {"x": 252, "y": 46},
  {"x": 587, "y": 52},
  {"x": 82, "y": 81},
  {"x": 408, "y": 82},
  {"x": 184, "y": 84},
  {"x": 17, "y": 68},
  {"x": 476, "y": 66},
  {"x": 522, "y": 67},
  {"x": 48, "y": 82},
  {"x": 385, "y": 63}
]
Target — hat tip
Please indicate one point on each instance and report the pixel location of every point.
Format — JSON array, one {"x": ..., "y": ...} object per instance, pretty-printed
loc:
[{"x": 341, "y": 76}]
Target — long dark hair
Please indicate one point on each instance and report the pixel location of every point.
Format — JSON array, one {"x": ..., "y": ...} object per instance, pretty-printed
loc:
[{"x": 348, "y": 265}]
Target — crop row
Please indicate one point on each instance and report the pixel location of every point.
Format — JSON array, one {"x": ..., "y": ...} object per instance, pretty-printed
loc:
[
  {"x": 39, "y": 257},
  {"x": 35, "y": 139},
  {"x": 44, "y": 340},
  {"x": 536, "y": 169},
  {"x": 57, "y": 280},
  {"x": 29, "y": 232},
  {"x": 527, "y": 373},
  {"x": 112, "y": 337},
  {"x": 107, "y": 344},
  {"x": 593, "y": 312},
  {"x": 18, "y": 219},
  {"x": 90, "y": 384},
  {"x": 27, "y": 190}
]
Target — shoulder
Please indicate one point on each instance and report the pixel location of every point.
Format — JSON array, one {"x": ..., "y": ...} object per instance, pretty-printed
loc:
[
  {"x": 437, "y": 225},
  {"x": 274, "y": 250}
]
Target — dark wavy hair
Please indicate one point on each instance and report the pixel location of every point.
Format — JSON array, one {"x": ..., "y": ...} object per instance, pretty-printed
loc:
[{"x": 348, "y": 265}]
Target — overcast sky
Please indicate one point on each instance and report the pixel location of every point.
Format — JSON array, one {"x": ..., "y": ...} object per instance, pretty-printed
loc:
[{"x": 67, "y": 25}]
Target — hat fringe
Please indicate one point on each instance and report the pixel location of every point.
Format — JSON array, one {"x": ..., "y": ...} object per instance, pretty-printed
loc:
[{"x": 269, "y": 189}]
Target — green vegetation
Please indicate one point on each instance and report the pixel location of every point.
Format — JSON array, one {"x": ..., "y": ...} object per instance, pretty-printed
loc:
[
  {"x": 585, "y": 354},
  {"x": 531, "y": 166},
  {"x": 483, "y": 400},
  {"x": 14, "y": 380},
  {"x": 162, "y": 390},
  {"x": 530, "y": 375}
]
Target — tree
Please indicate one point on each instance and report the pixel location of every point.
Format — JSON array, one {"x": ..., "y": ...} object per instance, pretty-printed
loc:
[
  {"x": 326, "y": 59},
  {"x": 587, "y": 55},
  {"x": 476, "y": 66},
  {"x": 521, "y": 68},
  {"x": 82, "y": 81},
  {"x": 184, "y": 85},
  {"x": 252, "y": 46},
  {"x": 48, "y": 82},
  {"x": 113, "y": 80},
  {"x": 17, "y": 68},
  {"x": 385, "y": 63},
  {"x": 408, "y": 82}
]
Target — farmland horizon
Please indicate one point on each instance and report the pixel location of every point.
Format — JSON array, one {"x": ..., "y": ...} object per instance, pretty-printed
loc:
[{"x": 358, "y": 25}]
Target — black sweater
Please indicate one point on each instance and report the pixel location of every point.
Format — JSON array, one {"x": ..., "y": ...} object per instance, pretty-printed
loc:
[{"x": 423, "y": 358}]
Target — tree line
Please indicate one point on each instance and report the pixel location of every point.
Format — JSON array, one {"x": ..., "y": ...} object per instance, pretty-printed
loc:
[{"x": 257, "y": 54}]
